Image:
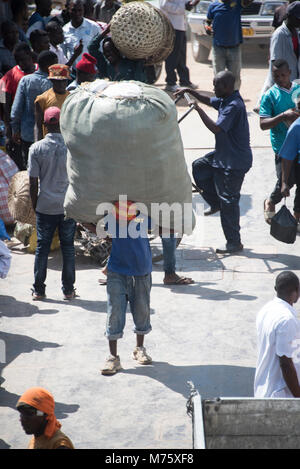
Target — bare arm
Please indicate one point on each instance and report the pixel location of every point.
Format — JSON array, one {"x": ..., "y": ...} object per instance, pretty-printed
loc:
[
  {"x": 200, "y": 97},
  {"x": 207, "y": 121},
  {"x": 77, "y": 51},
  {"x": 39, "y": 121},
  {"x": 270, "y": 122},
  {"x": 290, "y": 375},
  {"x": 34, "y": 186}
]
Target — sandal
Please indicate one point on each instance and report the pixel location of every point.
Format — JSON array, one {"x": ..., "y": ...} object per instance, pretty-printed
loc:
[
  {"x": 180, "y": 281},
  {"x": 70, "y": 296},
  {"x": 102, "y": 281}
]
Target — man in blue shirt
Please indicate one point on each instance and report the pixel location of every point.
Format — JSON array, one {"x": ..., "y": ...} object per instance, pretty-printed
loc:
[
  {"x": 225, "y": 18},
  {"x": 290, "y": 151},
  {"x": 219, "y": 175},
  {"x": 22, "y": 112}
]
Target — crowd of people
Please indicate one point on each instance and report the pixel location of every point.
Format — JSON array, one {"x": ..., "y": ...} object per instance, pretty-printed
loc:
[{"x": 42, "y": 60}]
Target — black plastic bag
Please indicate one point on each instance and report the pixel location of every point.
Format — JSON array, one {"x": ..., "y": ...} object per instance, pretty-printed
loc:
[{"x": 284, "y": 226}]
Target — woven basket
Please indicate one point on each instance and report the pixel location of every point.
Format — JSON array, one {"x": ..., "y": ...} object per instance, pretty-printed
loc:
[
  {"x": 167, "y": 45},
  {"x": 19, "y": 201},
  {"x": 137, "y": 30}
]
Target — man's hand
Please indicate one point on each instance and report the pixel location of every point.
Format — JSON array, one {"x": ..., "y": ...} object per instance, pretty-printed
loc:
[
  {"x": 291, "y": 115},
  {"x": 181, "y": 92},
  {"x": 208, "y": 30},
  {"x": 194, "y": 103},
  {"x": 191, "y": 4},
  {"x": 285, "y": 190},
  {"x": 78, "y": 49}
]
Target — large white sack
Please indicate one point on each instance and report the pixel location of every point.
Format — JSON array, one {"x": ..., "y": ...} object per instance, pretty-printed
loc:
[{"x": 123, "y": 139}]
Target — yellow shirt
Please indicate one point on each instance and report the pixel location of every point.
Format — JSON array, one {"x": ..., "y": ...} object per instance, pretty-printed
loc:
[
  {"x": 50, "y": 98},
  {"x": 58, "y": 439}
]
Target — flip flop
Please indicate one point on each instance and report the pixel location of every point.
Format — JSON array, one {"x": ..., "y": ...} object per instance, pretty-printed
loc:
[
  {"x": 102, "y": 281},
  {"x": 181, "y": 281},
  {"x": 268, "y": 214}
]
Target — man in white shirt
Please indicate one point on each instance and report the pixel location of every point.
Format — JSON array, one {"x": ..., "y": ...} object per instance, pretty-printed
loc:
[
  {"x": 278, "y": 331},
  {"x": 176, "y": 62},
  {"x": 78, "y": 29}
]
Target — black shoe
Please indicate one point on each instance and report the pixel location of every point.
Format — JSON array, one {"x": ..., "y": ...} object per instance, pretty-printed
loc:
[
  {"x": 230, "y": 249},
  {"x": 189, "y": 85},
  {"x": 211, "y": 211}
]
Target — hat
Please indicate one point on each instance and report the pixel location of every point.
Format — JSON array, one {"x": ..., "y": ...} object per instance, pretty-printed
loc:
[
  {"x": 293, "y": 9},
  {"x": 59, "y": 72},
  {"x": 51, "y": 115},
  {"x": 87, "y": 64}
]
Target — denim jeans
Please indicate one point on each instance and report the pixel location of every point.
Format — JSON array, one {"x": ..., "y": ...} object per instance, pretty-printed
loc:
[
  {"x": 122, "y": 289},
  {"x": 176, "y": 61},
  {"x": 221, "y": 189},
  {"x": 229, "y": 58},
  {"x": 169, "y": 249},
  {"x": 45, "y": 228}
]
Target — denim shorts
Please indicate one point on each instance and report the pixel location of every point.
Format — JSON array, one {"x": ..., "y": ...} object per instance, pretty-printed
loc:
[{"x": 122, "y": 289}]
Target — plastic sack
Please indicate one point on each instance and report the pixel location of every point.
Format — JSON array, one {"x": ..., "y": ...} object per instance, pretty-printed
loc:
[
  {"x": 123, "y": 139},
  {"x": 284, "y": 226}
]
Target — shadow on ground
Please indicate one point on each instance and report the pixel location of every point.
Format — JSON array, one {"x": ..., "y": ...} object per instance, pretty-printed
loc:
[
  {"x": 210, "y": 380},
  {"x": 12, "y": 308}
]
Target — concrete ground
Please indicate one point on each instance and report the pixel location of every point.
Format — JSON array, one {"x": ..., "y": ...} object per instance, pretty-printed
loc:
[{"x": 204, "y": 333}]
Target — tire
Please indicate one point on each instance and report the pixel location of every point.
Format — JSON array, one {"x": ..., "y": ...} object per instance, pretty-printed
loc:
[
  {"x": 157, "y": 254},
  {"x": 200, "y": 52},
  {"x": 153, "y": 73}
]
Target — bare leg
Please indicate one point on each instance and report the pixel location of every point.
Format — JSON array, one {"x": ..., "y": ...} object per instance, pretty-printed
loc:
[{"x": 113, "y": 347}]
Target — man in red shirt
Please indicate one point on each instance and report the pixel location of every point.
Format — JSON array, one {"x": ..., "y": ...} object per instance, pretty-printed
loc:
[{"x": 8, "y": 86}]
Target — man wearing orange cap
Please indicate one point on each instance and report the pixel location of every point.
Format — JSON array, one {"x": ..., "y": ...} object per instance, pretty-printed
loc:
[
  {"x": 86, "y": 70},
  {"x": 59, "y": 75},
  {"x": 36, "y": 408}
]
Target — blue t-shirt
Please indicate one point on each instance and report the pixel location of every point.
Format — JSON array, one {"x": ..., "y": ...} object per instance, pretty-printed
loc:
[
  {"x": 233, "y": 141},
  {"x": 37, "y": 17},
  {"x": 290, "y": 149},
  {"x": 226, "y": 22},
  {"x": 131, "y": 252},
  {"x": 275, "y": 101}
]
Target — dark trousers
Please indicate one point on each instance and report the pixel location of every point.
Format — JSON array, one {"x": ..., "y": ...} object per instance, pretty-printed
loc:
[
  {"x": 25, "y": 150},
  {"x": 15, "y": 152},
  {"x": 176, "y": 61},
  {"x": 45, "y": 227},
  {"x": 294, "y": 178},
  {"x": 221, "y": 189}
]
